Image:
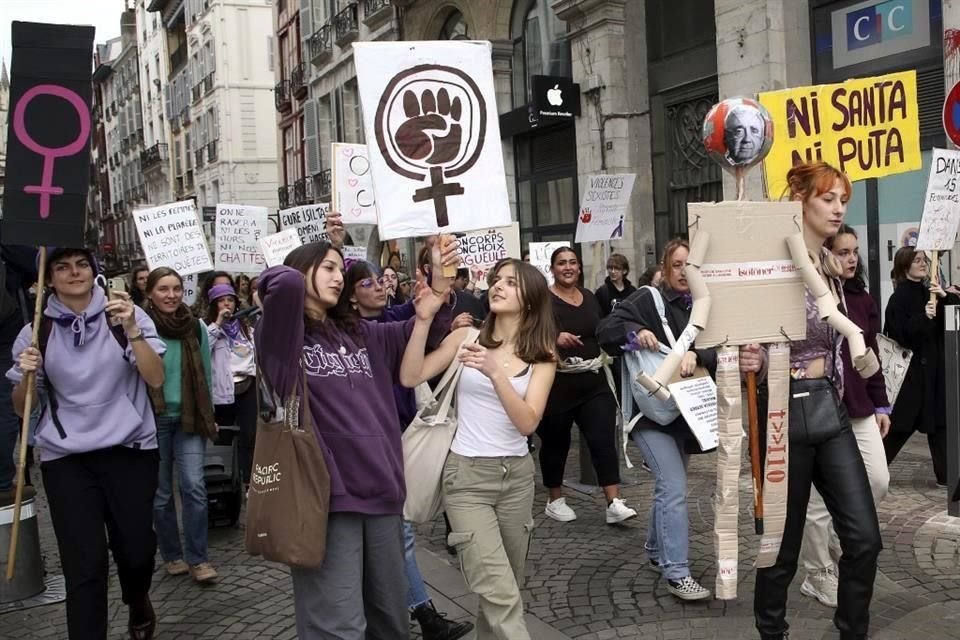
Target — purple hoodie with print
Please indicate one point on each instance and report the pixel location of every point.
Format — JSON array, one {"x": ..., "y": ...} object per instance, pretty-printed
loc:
[{"x": 102, "y": 400}]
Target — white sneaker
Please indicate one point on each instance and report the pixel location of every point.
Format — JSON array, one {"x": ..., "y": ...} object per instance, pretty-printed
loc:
[
  {"x": 821, "y": 585},
  {"x": 687, "y": 589},
  {"x": 559, "y": 511},
  {"x": 618, "y": 511}
]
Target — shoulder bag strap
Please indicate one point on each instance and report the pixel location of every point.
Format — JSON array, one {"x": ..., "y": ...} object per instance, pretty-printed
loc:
[
  {"x": 448, "y": 383},
  {"x": 662, "y": 311}
]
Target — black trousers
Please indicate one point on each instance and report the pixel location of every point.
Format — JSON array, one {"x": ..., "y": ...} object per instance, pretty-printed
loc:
[
  {"x": 936, "y": 441},
  {"x": 243, "y": 413},
  {"x": 597, "y": 420},
  {"x": 113, "y": 489},
  {"x": 824, "y": 453}
]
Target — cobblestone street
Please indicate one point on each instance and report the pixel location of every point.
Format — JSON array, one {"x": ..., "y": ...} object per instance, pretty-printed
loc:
[{"x": 587, "y": 580}]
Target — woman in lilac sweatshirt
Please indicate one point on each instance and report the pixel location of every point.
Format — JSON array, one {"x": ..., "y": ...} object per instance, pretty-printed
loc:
[
  {"x": 351, "y": 366},
  {"x": 97, "y": 439}
]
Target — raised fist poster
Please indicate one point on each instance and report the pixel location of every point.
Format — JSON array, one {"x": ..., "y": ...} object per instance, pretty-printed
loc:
[
  {"x": 433, "y": 133},
  {"x": 48, "y": 135}
]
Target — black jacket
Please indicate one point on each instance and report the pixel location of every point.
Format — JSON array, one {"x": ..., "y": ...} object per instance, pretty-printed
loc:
[
  {"x": 921, "y": 404},
  {"x": 609, "y": 297}
]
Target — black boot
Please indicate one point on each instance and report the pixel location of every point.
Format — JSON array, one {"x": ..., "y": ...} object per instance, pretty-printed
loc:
[{"x": 435, "y": 625}]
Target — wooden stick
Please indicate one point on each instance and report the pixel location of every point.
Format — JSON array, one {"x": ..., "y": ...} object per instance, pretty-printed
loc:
[
  {"x": 934, "y": 273},
  {"x": 30, "y": 380},
  {"x": 755, "y": 452},
  {"x": 449, "y": 270}
]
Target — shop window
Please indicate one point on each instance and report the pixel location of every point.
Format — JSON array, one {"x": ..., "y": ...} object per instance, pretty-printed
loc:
[{"x": 539, "y": 47}]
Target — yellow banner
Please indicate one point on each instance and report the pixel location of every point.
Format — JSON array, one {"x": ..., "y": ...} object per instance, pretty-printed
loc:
[{"x": 866, "y": 127}]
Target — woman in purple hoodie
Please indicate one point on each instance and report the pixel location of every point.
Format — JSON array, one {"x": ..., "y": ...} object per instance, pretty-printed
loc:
[
  {"x": 351, "y": 366},
  {"x": 97, "y": 439}
]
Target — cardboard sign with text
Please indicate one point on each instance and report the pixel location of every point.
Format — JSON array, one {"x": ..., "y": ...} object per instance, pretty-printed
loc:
[
  {"x": 276, "y": 246},
  {"x": 866, "y": 127},
  {"x": 171, "y": 236},
  {"x": 238, "y": 229},
  {"x": 190, "y": 288},
  {"x": 941, "y": 205},
  {"x": 540, "y": 253},
  {"x": 697, "y": 400},
  {"x": 480, "y": 250},
  {"x": 48, "y": 135},
  {"x": 309, "y": 221},
  {"x": 352, "y": 184},
  {"x": 748, "y": 261},
  {"x": 603, "y": 207}
]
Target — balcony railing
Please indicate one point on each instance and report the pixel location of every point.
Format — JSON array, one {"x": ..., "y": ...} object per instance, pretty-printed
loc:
[
  {"x": 185, "y": 116},
  {"x": 175, "y": 123},
  {"x": 323, "y": 185},
  {"x": 281, "y": 95},
  {"x": 346, "y": 25},
  {"x": 376, "y": 12},
  {"x": 300, "y": 191},
  {"x": 198, "y": 154},
  {"x": 298, "y": 84},
  {"x": 212, "y": 151},
  {"x": 208, "y": 83},
  {"x": 153, "y": 156},
  {"x": 283, "y": 195},
  {"x": 319, "y": 45}
]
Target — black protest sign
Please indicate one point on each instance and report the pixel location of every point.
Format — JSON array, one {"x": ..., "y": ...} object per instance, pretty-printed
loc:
[{"x": 48, "y": 135}]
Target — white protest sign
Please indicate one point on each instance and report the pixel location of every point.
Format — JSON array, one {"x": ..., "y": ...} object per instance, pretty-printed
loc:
[
  {"x": 354, "y": 253},
  {"x": 276, "y": 246},
  {"x": 941, "y": 205},
  {"x": 171, "y": 236},
  {"x": 540, "y": 253},
  {"x": 603, "y": 207},
  {"x": 238, "y": 228},
  {"x": 697, "y": 400},
  {"x": 430, "y": 114},
  {"x": 190, "y": 289},
  {"x": 309, "y": 221},
  {"x": 352, "y": 185},
  {"x": 894, "y": 362},
  {"x": 480, "y": 250}
]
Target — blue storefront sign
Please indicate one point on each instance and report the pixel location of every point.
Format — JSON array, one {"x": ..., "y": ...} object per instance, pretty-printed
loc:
[{"x": 871, "y": 30}]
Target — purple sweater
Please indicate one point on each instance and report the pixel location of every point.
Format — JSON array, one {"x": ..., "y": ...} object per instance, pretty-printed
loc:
[
  {"x": 862, "y": 397},
  {"x": 350, "y": 381}
]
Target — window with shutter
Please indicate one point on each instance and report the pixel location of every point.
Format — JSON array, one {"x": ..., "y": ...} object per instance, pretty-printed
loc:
[
  {"x": 306, "y": 19},
  {"x": 213, "y": 125},
  {"x": 325, "y": 129},
  {"x": 201, "y": 137},
  {"x": 310, "y": 138}
]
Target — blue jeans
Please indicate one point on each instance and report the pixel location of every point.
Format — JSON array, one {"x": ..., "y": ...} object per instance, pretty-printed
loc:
[
  {"x": 416, "y": 590},
  {"x": 188, "y": 450},
  {"x": 668, "y": 530}
]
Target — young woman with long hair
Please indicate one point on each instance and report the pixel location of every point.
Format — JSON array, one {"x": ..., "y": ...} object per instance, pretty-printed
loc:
[
  {"x": 636, "y": 322},
  {"x": 391, "y": 282},
  {"x": 97, "y": 438},
  {"x": 308, "y": 327},
  {"x": 866, "y": 403},
  {"x": 488, "y": 478},
  {"x": 138, "y": 285},
  {"x": 823, "y": 448},
  {"x": 185, "y": 421}
]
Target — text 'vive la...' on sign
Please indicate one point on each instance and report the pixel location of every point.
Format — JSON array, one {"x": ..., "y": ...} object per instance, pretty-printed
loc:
[{"x": 555, "y": 98}]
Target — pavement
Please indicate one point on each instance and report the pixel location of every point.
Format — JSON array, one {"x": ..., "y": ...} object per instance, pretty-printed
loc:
[{"x": 585, "y": 579}]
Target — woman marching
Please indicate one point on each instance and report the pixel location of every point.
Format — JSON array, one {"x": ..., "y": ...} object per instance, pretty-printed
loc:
[
  {"x": 488, "y": 478},
  {"x": 581, "y": 392},
  {"x": 916, "y": 323},
  {"x": 823, "y": 448},
  {"x": 185, "y": 421},
  {"x": 636, "y": 322},
  {"x": 97, "y": 439},
  {"x": 350, "y": 367},
  {"x": 616, "y": 288}
]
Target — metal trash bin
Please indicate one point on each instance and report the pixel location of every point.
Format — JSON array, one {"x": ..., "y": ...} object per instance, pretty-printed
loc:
[{"x": 28, "y": 577}]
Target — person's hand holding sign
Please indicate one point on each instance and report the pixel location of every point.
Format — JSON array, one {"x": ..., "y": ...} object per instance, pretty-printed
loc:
[
  {"x": 444, "y": 258},
  {"x": 334, "y": 229}
]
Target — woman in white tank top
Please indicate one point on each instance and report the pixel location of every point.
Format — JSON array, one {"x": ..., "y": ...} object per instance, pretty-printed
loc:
[{"x": 488, "y": 479}]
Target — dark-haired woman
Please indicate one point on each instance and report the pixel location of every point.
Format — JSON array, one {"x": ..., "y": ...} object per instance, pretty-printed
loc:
[
  {"x": 350, "y": 367},
  {"x": 617, "y": 286},
  {"x": 916, "y": 323},
  {"x": 97, "y": 439},
  {"x": 488, "y": 481},
  {"x": 185, "y": 421},
  {"x": 581, "y": 393},
  {"x": 211, "y": 280},
  {"x": 138, "y": 285}
]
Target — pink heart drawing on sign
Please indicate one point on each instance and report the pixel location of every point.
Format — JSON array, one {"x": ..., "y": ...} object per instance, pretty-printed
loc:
[
  {"x": 356, "y": 212},
  {"x": 352, "y": 182},
  {"x": 347, "y": 151}
]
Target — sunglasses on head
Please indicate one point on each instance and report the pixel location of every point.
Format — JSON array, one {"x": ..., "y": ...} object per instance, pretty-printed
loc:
[{"x": 366, "y": 283}]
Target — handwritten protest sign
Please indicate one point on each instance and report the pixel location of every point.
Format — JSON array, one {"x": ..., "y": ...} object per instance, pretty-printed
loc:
[
  {"x": 480, "y": 250},
  {"x": 540, "y": 253},
  {"x": 238, "y": 228},
  {"x": 697, "y": 400},
  {"x": 308, "y": 220},
  {"x": 171, "y": 236},
  {"x": 190, "y": 289},
  {"x": 603, "y": 207},
  {"x": 352, "y": 193},
  {"x": 353, "y": 253},
  {"x": 866, "y": 127},
  {"x": 941, "y": 205},
  {"x": 276, "y": 246}
]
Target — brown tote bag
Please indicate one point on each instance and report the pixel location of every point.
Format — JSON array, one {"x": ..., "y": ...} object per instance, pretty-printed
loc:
[{"x": 289, "y": 497}]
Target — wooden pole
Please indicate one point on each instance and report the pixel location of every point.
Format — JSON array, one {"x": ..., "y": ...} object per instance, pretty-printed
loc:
[
  {"x": 934, "y": 272},
  {"x": 30, "y": 380},
  {"x": 755, "y": 469}
]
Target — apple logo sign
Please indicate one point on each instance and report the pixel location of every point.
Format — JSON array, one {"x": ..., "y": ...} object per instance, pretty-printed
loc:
[{"x": 555, "y": 96}]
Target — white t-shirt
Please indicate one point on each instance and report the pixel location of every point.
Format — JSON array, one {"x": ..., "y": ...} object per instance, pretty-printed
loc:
[{"x": 483, "y": 428}]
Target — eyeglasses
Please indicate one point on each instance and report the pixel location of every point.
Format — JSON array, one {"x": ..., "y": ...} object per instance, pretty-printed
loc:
[
  {"x": 920, "y": 259},
  {"x": 366, "y": 283}
]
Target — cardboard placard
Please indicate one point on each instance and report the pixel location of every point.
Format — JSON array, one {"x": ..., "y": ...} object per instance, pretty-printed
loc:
[
  {"x": 540, "y": 253},
  {"x": 431, "y": 119},
  {"x": 941, "y": 204},
  {"x": 480, "y": 250},
  {"x": 697, "y": 400},
  {"x": 866, "y": 127},
  {"x": 777, "y": 457},
  {"x": 171, "y": 236},
  {"x": 603, "y": 207},
  {"x": 354, "y": 254},
  {"x": 309, "y": 221},
  {"x": 48, "y": 135},
  {"x": 726, "y": 535},
  {"x": 894, "y": 362},
  {"x": 352, "y": 184},
  {"x": 238, "y": 228},
  {"x": 749, "y": 262},
  {"x": 276, "y": 246}
]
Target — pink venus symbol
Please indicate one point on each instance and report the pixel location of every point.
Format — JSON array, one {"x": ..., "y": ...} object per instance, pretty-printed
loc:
[{"x": 46, "y": 188}]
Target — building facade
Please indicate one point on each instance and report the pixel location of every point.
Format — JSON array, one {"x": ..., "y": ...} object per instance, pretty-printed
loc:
[{"x": 154, "y": 76}]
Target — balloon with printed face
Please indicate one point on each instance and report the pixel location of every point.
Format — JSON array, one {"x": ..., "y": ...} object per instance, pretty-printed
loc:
[{"x": 737, "y": 133}]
